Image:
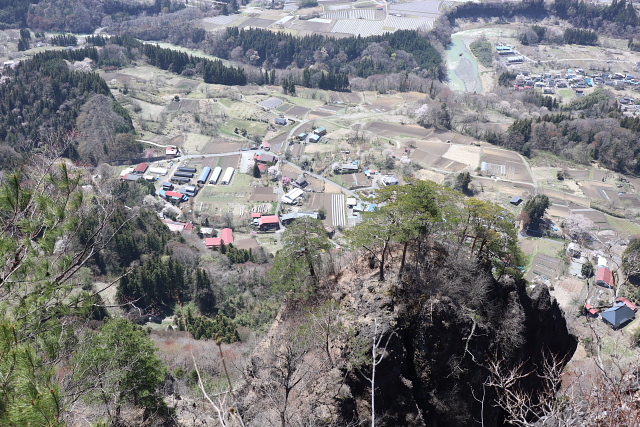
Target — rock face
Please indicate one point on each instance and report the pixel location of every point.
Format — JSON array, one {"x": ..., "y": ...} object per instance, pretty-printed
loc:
[{"x": 440, "y": 327}]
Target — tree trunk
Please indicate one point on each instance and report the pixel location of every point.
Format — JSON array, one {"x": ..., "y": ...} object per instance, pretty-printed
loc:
[
  {"x": 404, "y": 257},
  {"x": 383, "y": 257}
]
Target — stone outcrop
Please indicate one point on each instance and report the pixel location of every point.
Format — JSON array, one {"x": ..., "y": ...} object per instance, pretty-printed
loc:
[{"x": 440, "y": 326}]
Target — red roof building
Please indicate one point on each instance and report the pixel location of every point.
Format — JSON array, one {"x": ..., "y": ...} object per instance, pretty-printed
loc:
[
  {"x": 604, "y": 277},
  {"x": 141, "y": 168},
  {"x": 171, "y": 152},
  {"x": 269, "y": 219},
  {"x": 266, "y": 158},
  {"x": 174, "y": 194},
  {"x": 628, "y": 303},
  {"x": 593, "y": 311},
  {"x": 255, "y": 215},
  {"x": 269, "y": 222},
  {"x": 226, "y": 236}
]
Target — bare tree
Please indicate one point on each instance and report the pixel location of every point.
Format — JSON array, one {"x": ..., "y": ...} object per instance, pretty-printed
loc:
[
  {"x": 286, "y": 370},
  {"x": 378, "y": 352}
]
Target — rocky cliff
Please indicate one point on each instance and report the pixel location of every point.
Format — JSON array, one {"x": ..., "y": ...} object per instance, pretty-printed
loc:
[{"x": 438, "y": 328}]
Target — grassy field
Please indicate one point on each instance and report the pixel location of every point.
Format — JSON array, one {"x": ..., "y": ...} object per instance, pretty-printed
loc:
[
  {"x": 252, "y": 127},
  {"x": 623, "y": 226},
  {"x": 240, "y": 184}
]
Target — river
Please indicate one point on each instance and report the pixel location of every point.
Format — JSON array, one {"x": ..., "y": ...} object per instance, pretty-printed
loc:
[{"x": 462, "y": 67}]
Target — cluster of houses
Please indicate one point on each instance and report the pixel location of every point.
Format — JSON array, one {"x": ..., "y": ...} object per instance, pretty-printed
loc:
[
  {"x": 263, "y": 160},
  {"x": 623, "y": 311},
  {"x": 621, "y": 314},
  {"x": 143, "y": 171},
  {"x": 576, "y": 79},
  {"x": 314, "y": 137}
]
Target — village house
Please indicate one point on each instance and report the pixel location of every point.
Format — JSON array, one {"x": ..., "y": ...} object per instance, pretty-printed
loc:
[
  {"x": 604, "y": 277},
  {"x": 320, "y": 131},
  {"x": 177, "y": 226},
  {"x": 141, "y": 169},
  {"x": 226, "y": 237},
  {"x": 301, "y": 181},
  {"x": 390, "y": 180},
  {"x": 314, "y": 138},
  {"x": 268, "y": 222},
  {"x": 172, "y": 152},
  {"x": 265, "y": 158},
  {"x": 618, "y": 316}
]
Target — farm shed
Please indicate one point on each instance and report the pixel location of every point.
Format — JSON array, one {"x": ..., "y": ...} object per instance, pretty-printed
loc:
[
  {"x": 204, "y": 176},
  {"x": 189, "y": 190},
  {"x": 280, "y": 121},
  {"x": 180, "y": 180},
  {"x": 183, "y": 174},
  {"x": 618, "y": 315},
  {"x": 516, "y": 201},
  {"x": 348, "y": 168},
  {"x": 228, "y": 174},
  {"x": 314, "y": 138},
  {"x": 215, "y": 175},
  {"x": 158, "y": 171},
  {"x": 189, "y": 170},
  {"x": 290, "y": 217},
  {"x": 291, "y": 196},
  {"x": 131, "y": 177},
  {"x": 320, "y": 131}
]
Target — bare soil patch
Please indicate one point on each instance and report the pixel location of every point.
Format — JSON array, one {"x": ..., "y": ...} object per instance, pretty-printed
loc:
[
  {"x": 263, "y": 194},
  {"x": 298, "y": 112},
  {"x": 256, "y": 23},
  {"x": 469, "y": 156},
  {"x": 566, "y": 290},
  {"x": 392, "y": 130},
  {"x": 449, "y": 165},
  {"x": 218, "y": 146}
]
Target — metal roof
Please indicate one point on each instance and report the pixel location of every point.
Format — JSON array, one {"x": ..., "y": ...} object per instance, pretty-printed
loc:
[{"x": 618, "y": 315}]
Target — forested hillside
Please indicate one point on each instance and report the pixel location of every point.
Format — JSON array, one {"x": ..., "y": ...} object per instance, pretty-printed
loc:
[
  {"x": 41, "y": 99},
  {"x": 590, "y": 128},
  {"x": 75, "y": 15},
  {"x": 361, "y": 56},
  {"x": 619, "y": 18}
]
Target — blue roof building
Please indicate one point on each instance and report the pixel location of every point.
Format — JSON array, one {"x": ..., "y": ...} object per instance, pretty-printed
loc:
[{"x": 618, "y": 315}]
